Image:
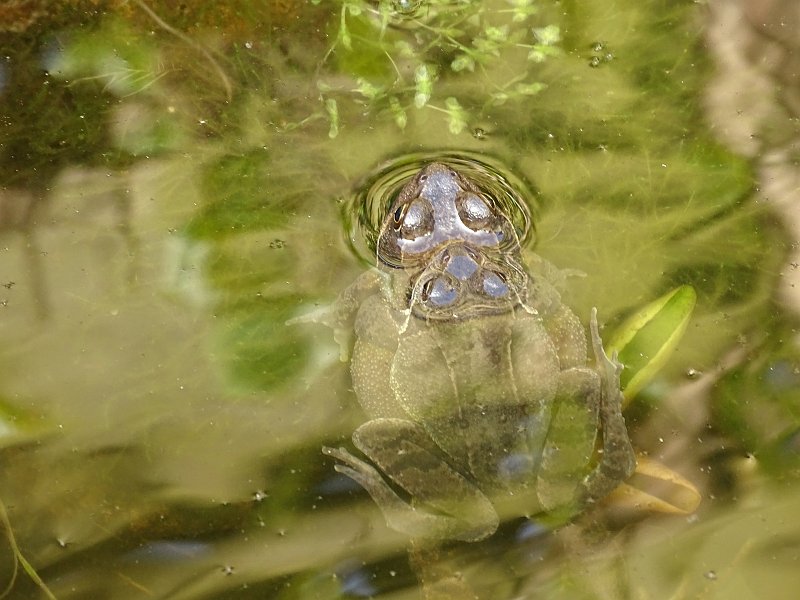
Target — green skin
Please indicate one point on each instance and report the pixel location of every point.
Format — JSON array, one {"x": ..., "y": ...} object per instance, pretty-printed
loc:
[{"x": 481, "y": 406}]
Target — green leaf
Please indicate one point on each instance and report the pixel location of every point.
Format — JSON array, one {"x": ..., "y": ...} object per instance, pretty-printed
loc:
[
  {"x": 463, "y": 62},
  {"x": 529, "y": 89},
  {"x": 547, "y": 36},
  {"x": 497, "y": 34},
  {"x": 645, "y": 341},
  {"x": 423, "y": 78},
  {"x": 333, "y": 116},
  {"x": 457, "y": 116},
  {"x": 399, "y": 113},
  {"x": 368, "y": 89}
]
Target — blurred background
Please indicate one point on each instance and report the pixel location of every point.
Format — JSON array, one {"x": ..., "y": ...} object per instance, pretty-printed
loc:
[{"x": 178, "y": 179}]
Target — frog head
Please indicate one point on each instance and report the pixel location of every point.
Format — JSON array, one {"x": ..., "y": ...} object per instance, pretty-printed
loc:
[{"x": 437, "y": 206}]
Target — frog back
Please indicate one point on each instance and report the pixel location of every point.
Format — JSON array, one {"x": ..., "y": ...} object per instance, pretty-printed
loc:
[{"x": 482, "y": 389}]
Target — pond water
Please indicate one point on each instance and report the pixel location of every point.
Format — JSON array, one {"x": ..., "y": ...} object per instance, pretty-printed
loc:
[{"x": 179, "y": 180}]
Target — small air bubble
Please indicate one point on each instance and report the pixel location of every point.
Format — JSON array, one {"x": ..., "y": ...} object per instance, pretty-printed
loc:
[{"x": 479, "y": 134}]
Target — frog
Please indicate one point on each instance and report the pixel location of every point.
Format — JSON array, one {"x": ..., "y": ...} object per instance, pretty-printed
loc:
[
  {"x": 436, "y": 206},
  {"x": 480, "y": 399},
  {"x": 477, "y": 396}
]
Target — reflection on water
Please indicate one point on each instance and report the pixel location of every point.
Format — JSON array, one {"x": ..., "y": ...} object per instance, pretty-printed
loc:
[{"x": 172, "y": 186}]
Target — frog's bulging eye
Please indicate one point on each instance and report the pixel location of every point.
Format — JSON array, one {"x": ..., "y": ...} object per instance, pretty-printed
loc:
[
  {"x": 438, "y": 292},
  {"x": 413, "y": 219},
  {"x": 495, "y": 285},
  {"x": 476, "y": 212},
  {"x": 399, "y": 214}
]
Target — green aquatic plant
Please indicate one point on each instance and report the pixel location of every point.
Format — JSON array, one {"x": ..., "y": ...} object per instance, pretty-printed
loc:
[
  {"x": 644, "y": 342},
  {"x": 402, "y": 54},
  {"x": 19, "y": 560}
]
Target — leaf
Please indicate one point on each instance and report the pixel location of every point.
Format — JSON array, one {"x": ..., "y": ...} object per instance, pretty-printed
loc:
[
  {"x": 644, "y": 342},
  {"x": 529, "y": 89},
  {"x": 423, "y": 78},
  {"x": 399, "y": 113},
  {"x": 654, "y": 487},
  {"x": 547, "y": 36},
  {"x": 457, "y": 116},
  {"x": 333, "y": 115},
  {"x": 19, "y": 559},
  {"x": 463, "y": 62}
]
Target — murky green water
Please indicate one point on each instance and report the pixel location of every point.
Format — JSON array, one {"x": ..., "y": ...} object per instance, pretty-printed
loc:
[{"x": 179, "y": 180}]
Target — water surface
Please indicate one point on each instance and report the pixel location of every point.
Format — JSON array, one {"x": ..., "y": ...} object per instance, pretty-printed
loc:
[{"x": 178, "y": 181}]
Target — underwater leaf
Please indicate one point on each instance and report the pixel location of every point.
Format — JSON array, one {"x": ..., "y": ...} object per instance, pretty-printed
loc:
[
  {"x": 529, "y": 89},
  {"x": 19, "y": 559},
  {"x": 333, "y": 115},
  {"x": 457, "y": 115},
  {"x": 463, "y": 62},
  {"x": 547, "y": 36},
  {"x": 423, "y": 78},
  {"x": 654, "y": 487},
  {"x": 645, "y": 341},
  {"x": 399, "y": 113},
  {"x": 368, "y": 89}
]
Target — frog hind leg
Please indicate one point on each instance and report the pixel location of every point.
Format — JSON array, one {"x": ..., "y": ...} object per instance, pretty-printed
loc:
[
  {"x": 444, "y": 504},
  {"x": 618, "y": 461},
  {"x": 570, "y": 441},
  {"x": 585, "y": 399}
]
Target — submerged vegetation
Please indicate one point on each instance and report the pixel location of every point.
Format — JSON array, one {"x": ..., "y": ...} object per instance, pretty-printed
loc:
[{"x": 173, "y": 182}]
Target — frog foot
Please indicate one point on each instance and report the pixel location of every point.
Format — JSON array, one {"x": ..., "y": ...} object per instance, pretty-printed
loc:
[
  {"x": 400, "y": 515},
  {"x": 618, "y": 460},
  {"x": 610, "y": 367}
]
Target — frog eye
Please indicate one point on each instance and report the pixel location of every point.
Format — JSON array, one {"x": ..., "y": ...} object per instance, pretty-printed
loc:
[
  {"x": 415, "y": 219},
  {"x": 476, "y": 211},
  {"x": 438, "y": 292},
  {"x": 399, "y": 214},
  {"x": 495, "y": 285}
]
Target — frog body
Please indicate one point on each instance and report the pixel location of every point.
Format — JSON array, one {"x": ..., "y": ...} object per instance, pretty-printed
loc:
[{"x": 475, "y": 381}]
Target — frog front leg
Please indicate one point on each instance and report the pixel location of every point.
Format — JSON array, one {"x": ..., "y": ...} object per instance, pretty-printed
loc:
[
  {"x": 618, "y": 460},
  {"x": 444, "y": 504},
  {"x": 340, "y": 314}
]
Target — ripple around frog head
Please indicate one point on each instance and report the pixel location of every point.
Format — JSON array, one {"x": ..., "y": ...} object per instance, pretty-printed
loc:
[{"x": 494, "y": 185}]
